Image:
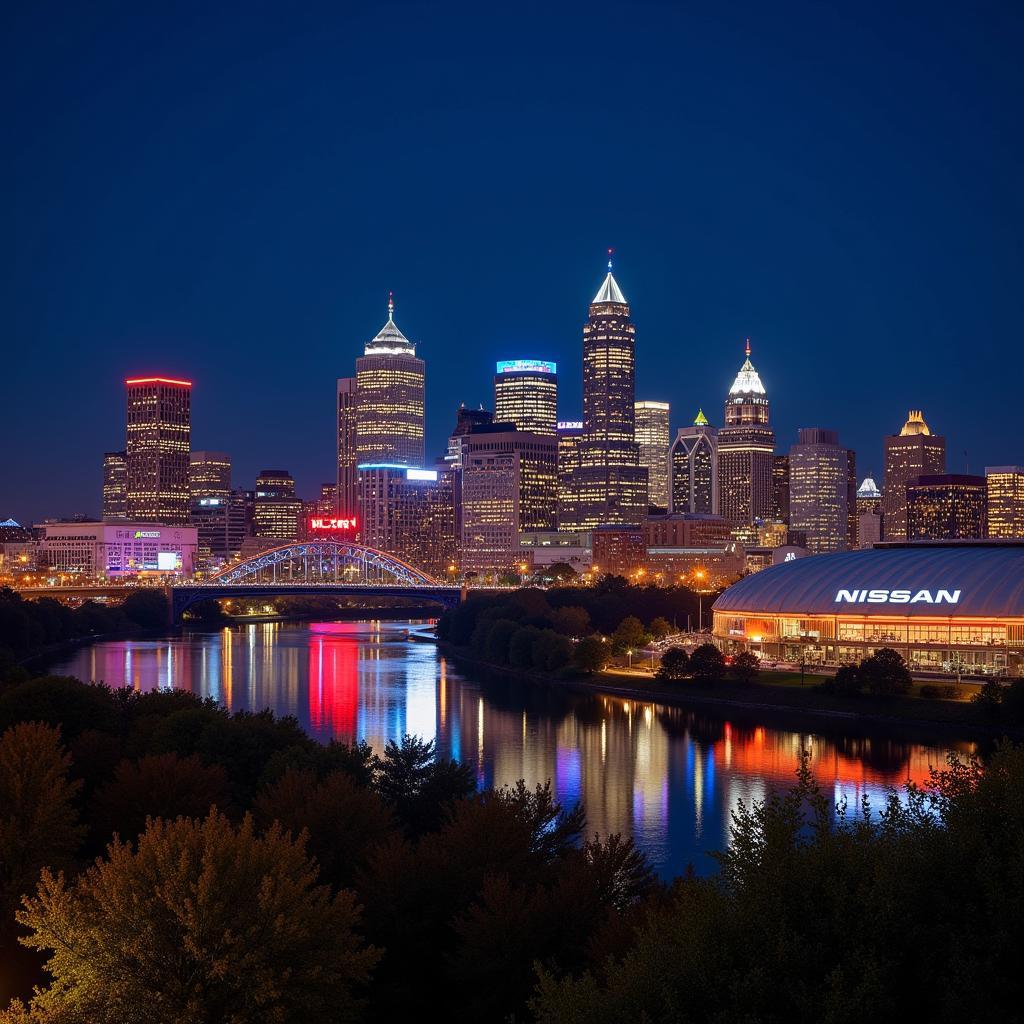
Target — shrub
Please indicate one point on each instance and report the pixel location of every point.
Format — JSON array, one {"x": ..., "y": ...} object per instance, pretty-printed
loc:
[
  {"x": 745, "y": 667},
  {"x": 885, "y": 673},
  {"x": 846, "y": 682},
  {"x": 591, "y": 654},
  {"x": 675, "y": 664},
  {"x": 989, "y": 698},
  {"x": 707, "y": 665}
]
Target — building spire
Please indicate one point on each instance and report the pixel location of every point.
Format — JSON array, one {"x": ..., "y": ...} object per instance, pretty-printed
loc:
[
  {"x": 610, "y": 251},
  {"x": 748, "y": 348},
  {"x": 391, "y": 307}
]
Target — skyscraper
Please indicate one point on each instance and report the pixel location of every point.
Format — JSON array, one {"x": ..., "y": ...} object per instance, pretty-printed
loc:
[
  {"x": 946, "y": 506},
  {"x": 780, "y": 488},
  {"x": 819, "y": 471},
  {"x": 610, "y": 484},
  {"x": 869, "y": 514},
  {"x": 347, "y": 474},
  {"x": 651, "y": 433},
  {"x": 277, "y": 510},
  {"x": 693, "y": 469},
  {"x": 389, "y": 399},
  {"x": 915, "y": 451},
  {"x": 745, "y": 447},
  {"x": 209, "y": 475},
  {"x": 570, "y": 433},
  {"x": 465, "y": 421},
  {"x": 1005, "y": 486},
  {"x": 526, "y": 394},
  {"x": 488, "y": 510},
  {"x": 157, "y": 449},
  {"x": 115, "y": 486}
]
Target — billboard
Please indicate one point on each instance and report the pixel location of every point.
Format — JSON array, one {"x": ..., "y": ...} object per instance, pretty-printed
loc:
[
  {"x": 527, "y": 366},
  {"x": 332, "y": 524}
]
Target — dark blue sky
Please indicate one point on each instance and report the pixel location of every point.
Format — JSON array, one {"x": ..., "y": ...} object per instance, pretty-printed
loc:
[{"x": 228, "y": 192}]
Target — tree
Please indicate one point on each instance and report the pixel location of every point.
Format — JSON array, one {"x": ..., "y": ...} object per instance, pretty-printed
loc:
[
  {"x": 203, "y": 922},
  {"x": 499, "y": 636},
  {"x": 560, "y": 572},
  {"x": 885, "y": 673},
  {"x": 847, "y": 682},
  {"x": 38, "y": 821},
  {"x": 630, "y": 634},
  {"x": 660, "y": 628},
  {"x": 551, "y": 650},
  {"x": 520, "y": 648},
  {"x": 675, "y": 664},
  {"x": 572, "y": 621},
  {"x": 158, "y": 786},
  {"x": 147, "y": 608},
  {"x": 707, "y": 665},
  {"x": 591, "y": 654},
  {"x": 418, "y": 787},
  {"x": 344, "y": 819},
  {"x": 745, "y": 667}
]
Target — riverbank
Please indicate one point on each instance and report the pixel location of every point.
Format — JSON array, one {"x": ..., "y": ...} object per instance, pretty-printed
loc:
[{"x": 794, "y": 703}]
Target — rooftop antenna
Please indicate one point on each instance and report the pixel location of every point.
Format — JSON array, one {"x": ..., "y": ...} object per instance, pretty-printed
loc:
[
  {"x": 391, "y": 305},
  {"x": 610, "y": 251}
]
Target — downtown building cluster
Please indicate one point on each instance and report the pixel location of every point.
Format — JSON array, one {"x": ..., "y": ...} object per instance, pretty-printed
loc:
[{"x": 520, "y": 487}]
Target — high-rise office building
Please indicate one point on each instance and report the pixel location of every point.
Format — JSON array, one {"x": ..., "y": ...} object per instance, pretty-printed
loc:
[
  {"x": 488, "y": 499},
  {"x": 526, "y": 394},
  {"x": 852, "y": 522},
  {"x": 946, "y": 506},
  {"x": 157, "y": 449},
  {"x": 1005, "y": 485},
  {"x": 570, "y": 433},
  {"x": 610, "y": 485},
  {"x": 746, "y": 445},
  {"x": 537, "y": 472},
  {"x": 915, "y": 451},
  {"x": 780, "y": 488},
  {"x": 651, "y": 432},
  {"x": 819, "y": 491},
  {"x": 209, "y": 475},
  {"x": 346, "y": 447},
  {"x": 115, "y": 486},
  {"x": 390, "y": 399},
  {"x": 410, "y": 513},
  {"x": 693, "y": 469},
  {"x": 868, "y": 503},
  {"x": 465, "y": 421},
  {"x": 220, "y": 522},
  {"x": 277, "y": 511}
]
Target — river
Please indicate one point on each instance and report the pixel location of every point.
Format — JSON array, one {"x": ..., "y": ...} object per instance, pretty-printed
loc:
[{"x": 665, "y": 775}]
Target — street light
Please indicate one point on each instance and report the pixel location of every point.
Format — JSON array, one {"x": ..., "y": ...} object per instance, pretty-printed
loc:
[{"x": 630, "y": 655}]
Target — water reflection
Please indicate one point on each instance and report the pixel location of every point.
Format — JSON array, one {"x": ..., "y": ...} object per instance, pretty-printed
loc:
[{"x": 668, "y": 776}]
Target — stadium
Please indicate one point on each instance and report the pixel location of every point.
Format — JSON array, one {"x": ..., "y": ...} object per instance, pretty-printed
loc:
[{"x": 946, "y": 607}]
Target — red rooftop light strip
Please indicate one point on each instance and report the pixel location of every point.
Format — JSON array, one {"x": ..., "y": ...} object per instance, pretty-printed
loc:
[{"x": 158, "y": 380}]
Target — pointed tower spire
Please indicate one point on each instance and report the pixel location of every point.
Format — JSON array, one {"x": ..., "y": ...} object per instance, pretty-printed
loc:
[
  {"x": 610, "y": 251},
  {"x": 610, "y": 291},
  {"x": 391, "y": 307},
  {"x": 748, "y": 348},
  {"x": 701, "y": 420}
]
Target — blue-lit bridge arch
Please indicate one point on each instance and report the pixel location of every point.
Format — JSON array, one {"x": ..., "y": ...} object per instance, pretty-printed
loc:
[{"x": 317, "y": 568}]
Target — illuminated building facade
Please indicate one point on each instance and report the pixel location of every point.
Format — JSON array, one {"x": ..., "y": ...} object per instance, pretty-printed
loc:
[
  {"x": 221, "y": 524},
  {"x": 610, "y": 485},
  {"x": 1005, "y": 485},
  {"x": 651, "y": 432},
  {"x": 780, "y": 488},
  {"x": 619, "y": 550},
  {"x": 409, "y": 513},
  {"x": 819, "y": 490},
  {"x": 118, "y": 549},
  {"x": 537, "y": 459},
  {"x": 746, "y": 446},
  {"x": 347, "y": 474},
  {"x": 115, "y": 485},
  {"x": 389, "y": 399},
  {"x": 526, "y": 394},
  {"x": 948, "y": 506},
  {"x": 915, "y": 451},
  {"x": 489, "y": 491},
  {"x": 693, "y": 469},
  {"x": 946, "y": 607},
  {"x": 570, "y": 433},
  {"x": 209, "y": 475},
  {"x": 157, "y": 449},
  {"x": 277, "y": 512},
  {"x": 543, "y": 549}
]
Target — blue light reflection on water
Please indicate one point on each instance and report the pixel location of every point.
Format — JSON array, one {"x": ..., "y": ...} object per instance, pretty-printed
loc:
[{"x": 667, "y": 776}]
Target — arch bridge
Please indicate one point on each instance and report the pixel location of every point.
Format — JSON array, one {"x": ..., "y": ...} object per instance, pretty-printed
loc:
[{"x": 316, "y": 568}]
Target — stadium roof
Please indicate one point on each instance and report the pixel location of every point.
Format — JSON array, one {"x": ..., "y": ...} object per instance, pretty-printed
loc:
[{"x": 989, "y": 578}]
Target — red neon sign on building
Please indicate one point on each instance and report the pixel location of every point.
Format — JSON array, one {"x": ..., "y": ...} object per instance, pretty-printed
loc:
[{"x": 332, "y": 524}]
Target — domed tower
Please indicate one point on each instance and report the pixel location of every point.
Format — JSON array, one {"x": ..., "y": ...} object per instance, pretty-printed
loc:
[
  {"x": 389, "y": 398},
  {"x": 746, "y": 447},
  {"x": 610, "y": 485}
]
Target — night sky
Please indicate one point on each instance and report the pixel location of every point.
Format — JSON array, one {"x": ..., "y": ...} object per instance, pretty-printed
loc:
[{"x": 230, "y": 194}]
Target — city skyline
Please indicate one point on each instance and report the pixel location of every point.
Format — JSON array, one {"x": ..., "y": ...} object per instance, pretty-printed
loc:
[{"x": 783, "y": 179}]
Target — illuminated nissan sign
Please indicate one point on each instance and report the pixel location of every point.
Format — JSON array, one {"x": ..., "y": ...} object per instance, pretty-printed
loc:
[{"x": 897, "y": 597}]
